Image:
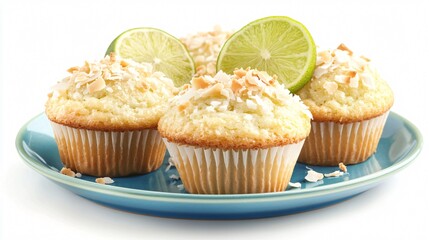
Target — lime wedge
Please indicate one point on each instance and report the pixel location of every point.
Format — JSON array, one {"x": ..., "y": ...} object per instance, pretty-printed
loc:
[
  {"x": 165, "y": 52},
  {"x": 278, "y": 45}
]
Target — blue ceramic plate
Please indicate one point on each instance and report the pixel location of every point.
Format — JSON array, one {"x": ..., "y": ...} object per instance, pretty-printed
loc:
[{"x": 158, "y": 194}]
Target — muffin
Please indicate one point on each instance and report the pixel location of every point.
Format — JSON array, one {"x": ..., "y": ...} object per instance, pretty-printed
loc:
[
  {"x": 105, "y": 114},
  {"x": 239, "y": 133},
  {"x": 204, "y": 48},
  {"x": 350, "y": 103}
]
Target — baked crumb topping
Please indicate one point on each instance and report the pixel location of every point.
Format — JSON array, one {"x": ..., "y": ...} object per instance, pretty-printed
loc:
[
  {"x": 204, "y": 47},
  {"x": 350, "y": 69}
]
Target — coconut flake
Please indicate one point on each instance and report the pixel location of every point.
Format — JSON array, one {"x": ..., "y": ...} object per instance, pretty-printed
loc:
[
  {"x": 295, "y": 185},
  {"x": 313, "y": 176},
  {"x": 318, "y": 72},
  {"x": 354, "y": 81},
  {"x": 96, "y": 85},
  {"x": 343, "y": 47},
  {"x": 174, "y": 177},
  {"x": 342, "y": 167},
  {"x": 367, "y": 80},
  {"x": 222, "y": 77},
  {"x": 251, "y": 105},
  {"x": 330, "y": 87},
  {"x": 68, "y": 172},
  {"x": 215, "y": 103},
  {"x": 104, "y": 180},
  {"x": 334, "y": 174}
]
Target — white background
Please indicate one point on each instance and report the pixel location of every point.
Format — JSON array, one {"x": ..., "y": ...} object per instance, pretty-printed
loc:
[{"x": 41, "y": 39}]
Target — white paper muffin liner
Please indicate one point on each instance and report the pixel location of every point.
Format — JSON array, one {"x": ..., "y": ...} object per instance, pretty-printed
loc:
[
  {"x": 113, "y": 154},
  {"x": 217, "y": 171},
  {"x": 330, "y": 143}
]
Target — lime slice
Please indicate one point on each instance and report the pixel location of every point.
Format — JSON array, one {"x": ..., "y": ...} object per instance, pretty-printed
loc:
[
  {"x": 278, "y": 45},
  {"x": 165, "y": 52}
]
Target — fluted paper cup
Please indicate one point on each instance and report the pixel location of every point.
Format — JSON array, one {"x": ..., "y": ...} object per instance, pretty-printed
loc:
[
  {"x": 113, "y": 154},
  {"x": 217, "y": 171},
  {"x": 330, "y": 143}
]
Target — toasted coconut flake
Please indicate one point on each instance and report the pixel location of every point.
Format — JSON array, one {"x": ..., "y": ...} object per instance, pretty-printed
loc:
[
  {"x": 239, "y": 73},
  {"x": 343, "y": 47},
  {"x": 365, "y": 58},
  {"x": 213, "y": 90},
  {"x": 236, "y": 85},
  {"x": 342, "y": 79},
  {"x": 104, "y": 180},
  {"x": 124, "y": 63},
  {"x": 200, "y": 82},
  {"x": 342, "y": 167},
  {"x": 265, "y": 78},
  {"x": 324, "y": 57},
  {"x": 183, "y": 106},
  {"x": 73, "y": 69},
  {"x": 68, "y": 172},
  {"x": 96, "y": 85}
]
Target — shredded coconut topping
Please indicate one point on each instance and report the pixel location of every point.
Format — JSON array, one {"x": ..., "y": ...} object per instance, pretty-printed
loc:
[
  {"x": 349, "y": 69},
  {"x": 250, "y": 89},
  {"x": 95, "y": 76},
  {"x": 204, "y": 47}
]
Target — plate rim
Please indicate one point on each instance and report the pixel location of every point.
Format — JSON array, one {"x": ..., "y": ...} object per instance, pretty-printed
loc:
[{"x": 222, "y": 198}]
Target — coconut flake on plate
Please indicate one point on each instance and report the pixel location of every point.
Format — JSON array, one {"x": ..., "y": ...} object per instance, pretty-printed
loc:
[
  {"x": 104, "y": 180},
  {"x": 68, "y": 172},
  {"x": 336, "y": 173},
  {"x": 174, "y": 177},
  {"x": 342, "y": 167},
  {"x": 295, "y": 184},
  {"x": 313, "y": 176}
]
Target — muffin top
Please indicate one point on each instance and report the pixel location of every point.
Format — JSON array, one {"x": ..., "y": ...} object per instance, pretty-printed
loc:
[
  {"x": 112, "y": 94},
  {"x": 204, "y": 48},
  {"x": 246, "y": 110},
  {"x": 345, "y": 88}
]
